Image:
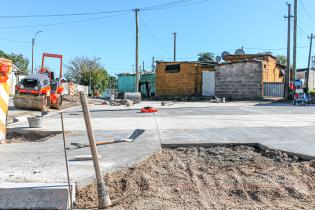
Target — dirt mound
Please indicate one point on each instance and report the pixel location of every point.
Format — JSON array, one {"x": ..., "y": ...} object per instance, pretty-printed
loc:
[
  {"x": 211, "y": 178},
  {"x": 28, "y": 137}
]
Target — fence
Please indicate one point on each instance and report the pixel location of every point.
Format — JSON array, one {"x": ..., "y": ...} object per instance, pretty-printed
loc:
[{"x": 273, "y": 89}]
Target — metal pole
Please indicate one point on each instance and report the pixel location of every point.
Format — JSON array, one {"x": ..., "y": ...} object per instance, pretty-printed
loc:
[
  {"x": 309, "y": 61},
  {"x": 33, "y": 43},
  {"x": 174, "y": 46},
  {"x": 294, "y": 38},
  {"x": 287, "y": 78},
  {"x": 103, "y": 196},
  {"x": 33, "y": 46},
  {"x": 137, "y": 51},
  {"x": 153, "y": 64},
  {"x": 66, "y": 159}
]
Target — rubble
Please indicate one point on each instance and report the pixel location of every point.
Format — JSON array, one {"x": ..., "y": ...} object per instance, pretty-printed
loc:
[
  {"x": 167, "y": 103},
  {"x": 121, "y": 102},
  {"x": 217, "y": 100}
]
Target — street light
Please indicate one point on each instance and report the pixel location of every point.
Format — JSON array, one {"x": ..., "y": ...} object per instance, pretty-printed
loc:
[{"x": 33, "y": 43}]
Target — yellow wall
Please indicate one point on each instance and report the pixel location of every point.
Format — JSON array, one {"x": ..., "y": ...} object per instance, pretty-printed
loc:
[
  {"x": 187, "y": 82},
  {"x": 271, "y": 72}
]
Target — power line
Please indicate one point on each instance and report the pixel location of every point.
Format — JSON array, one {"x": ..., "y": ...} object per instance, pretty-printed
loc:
[
  {"x": 182, "y": 5},
  {"x": 274, "y": 49},
  {"x": 12, "y": 40},
  {"x": 301, "y": 29},
  {"x": 62, "y": 15},
  {"x": 154, "y": 7},
  {"x": 306, "y": 11},
  {"x": 153, "y": 37},
  {"x": 61, "y": 23},
  {"x": 173, "y": 4},
  {"x": 164, "y": 5}
]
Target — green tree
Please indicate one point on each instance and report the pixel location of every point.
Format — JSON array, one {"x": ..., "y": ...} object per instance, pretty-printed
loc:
[
  {"x": 112, "y": 84},
  {"x": 18, "y": 60},
  {"x": 282, "y": 60},
  {"x": 83, "y": 70},
  {"x": 206, "y": 57}
]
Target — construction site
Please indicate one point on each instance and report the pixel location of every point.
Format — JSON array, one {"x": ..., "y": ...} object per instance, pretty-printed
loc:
[{"x": 232, "y": 131}]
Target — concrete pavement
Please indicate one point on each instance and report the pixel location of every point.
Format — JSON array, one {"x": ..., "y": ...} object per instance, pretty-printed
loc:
[{"x": 278, "y": 126}]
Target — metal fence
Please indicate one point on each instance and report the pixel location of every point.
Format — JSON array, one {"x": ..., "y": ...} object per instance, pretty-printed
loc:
[{"x": 273, "y": 89}]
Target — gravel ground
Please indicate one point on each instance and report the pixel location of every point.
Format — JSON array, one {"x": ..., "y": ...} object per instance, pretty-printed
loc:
[{"x": 211, "y": 178}]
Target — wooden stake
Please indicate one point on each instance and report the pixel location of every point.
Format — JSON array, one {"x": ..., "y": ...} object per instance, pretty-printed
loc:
[{"x": 103, "y": 196}]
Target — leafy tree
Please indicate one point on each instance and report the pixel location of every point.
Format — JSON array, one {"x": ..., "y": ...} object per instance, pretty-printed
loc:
[
  {"x": 112, "y": 84},
  {"x": 18, "y": 60},
  {"x": 282, "y": 60},
  {"x": 82, "y": 70},
  {"x": 206, "y": 57}
]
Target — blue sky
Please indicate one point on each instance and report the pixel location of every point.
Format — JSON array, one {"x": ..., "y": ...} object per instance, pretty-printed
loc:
[{"x": 214, "y": 25}]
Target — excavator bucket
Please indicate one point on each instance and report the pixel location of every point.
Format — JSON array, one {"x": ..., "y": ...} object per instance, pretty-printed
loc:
[{"x": 31, "y": 102}]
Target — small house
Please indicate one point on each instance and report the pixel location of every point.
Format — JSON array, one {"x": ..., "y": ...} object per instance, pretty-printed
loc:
[
  {"x": 126, "y": 83},
  {"x": 184, "y": 78},
  {"x": 249, "y": 76}
]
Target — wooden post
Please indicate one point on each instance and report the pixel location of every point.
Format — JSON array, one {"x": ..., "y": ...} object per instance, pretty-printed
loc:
[
  {"x": 137, "y": 51},
  {"x": 66, "y": 159},
  {"x": 103, "y": 196},
  {"x": 307, "y": 75}
]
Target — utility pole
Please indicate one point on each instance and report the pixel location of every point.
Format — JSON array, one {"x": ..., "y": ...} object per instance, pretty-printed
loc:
[
  {"x": 137, "y": 51},
  {"x": 309, "y": 60},
  {"x": 153, "y": 64},
  {"x": 143, "y": 66},
  {"x": 294, "y": 38},
  {"x": 174, "y": 45},
  {"x": 287, "y": 77}
]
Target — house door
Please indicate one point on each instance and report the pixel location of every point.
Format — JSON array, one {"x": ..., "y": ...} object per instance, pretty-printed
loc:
[{"x": 208, "y": 83}]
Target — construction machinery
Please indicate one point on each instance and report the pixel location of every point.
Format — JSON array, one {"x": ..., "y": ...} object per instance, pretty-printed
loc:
[{"x": 40, "y": 91}]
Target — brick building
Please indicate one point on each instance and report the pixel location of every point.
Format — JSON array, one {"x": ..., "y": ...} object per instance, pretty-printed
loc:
[
  {"x": 250, "y": 76},
  {"x": 240, "y": 77},
  {"x": 180, "y": 78}
]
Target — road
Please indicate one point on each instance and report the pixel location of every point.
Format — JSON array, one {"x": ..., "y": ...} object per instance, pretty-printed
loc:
[{"x": 278, "y": 126}]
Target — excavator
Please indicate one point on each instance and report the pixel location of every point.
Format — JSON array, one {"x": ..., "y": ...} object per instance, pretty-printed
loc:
[{"x": 40, "y": 91}]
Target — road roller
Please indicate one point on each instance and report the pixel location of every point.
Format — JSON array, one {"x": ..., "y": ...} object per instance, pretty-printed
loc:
[{"x": 40, "y": 91}]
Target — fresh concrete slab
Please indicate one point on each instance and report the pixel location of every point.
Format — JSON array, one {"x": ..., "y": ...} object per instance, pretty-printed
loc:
[
  {"x": 278, "y": 126},
  {"x": 36, "y": 195}
]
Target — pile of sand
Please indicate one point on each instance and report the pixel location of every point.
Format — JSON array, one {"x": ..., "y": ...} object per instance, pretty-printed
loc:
[{"x": 211, "y": 178}]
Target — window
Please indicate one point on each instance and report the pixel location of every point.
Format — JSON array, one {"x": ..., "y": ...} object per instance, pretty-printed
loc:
[{"x": 174, "y": 68}]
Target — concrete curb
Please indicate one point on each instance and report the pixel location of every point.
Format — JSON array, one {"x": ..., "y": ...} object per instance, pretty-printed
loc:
[
  {"x": 255, "y": 145},
  {"x": 36, "y": 195}
]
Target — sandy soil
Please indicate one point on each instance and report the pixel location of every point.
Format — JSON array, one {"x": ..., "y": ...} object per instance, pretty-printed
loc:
[
  {"x": 27, "y": 137},
  {"x": 211, "y": 178}
]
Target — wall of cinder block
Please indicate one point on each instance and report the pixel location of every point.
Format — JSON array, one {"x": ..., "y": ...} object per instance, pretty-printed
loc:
[
  {"x": 187, "y": 82},
  {"x": 311, "y": 82},
  {"x": 241, "y": 80}
]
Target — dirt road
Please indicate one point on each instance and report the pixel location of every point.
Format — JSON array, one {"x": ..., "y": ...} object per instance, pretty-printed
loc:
[{"x": 211, "y": 178}]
